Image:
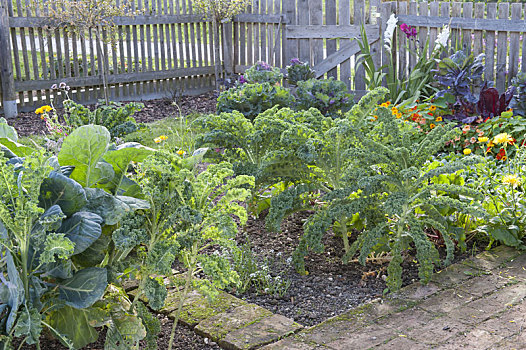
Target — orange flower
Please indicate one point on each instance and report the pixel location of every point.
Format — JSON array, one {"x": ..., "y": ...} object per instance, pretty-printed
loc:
[
  {"x": 432, "y": 108},
  {"x": 432, "y": 126},
  {"x": 438, "y": 119}
]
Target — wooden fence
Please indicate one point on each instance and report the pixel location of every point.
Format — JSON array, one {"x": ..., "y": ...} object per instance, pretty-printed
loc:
[{"x": 169, "y": 49}]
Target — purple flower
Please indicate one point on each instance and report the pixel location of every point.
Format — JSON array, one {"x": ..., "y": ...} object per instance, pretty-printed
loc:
[
  {"x": 260, "y": 65},
  {"x": 295, "y": 61},
  {"x": 62, "y": 85},
  {"x": 410, "y": 32},
  {"x": 242, "y": 80},
  {"x": 331, "y": 102}
]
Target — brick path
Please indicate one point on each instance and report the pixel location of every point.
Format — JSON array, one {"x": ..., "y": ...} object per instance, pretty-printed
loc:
[{"x": 476, "y": 304}]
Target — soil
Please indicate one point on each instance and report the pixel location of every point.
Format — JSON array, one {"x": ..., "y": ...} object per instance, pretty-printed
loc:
[
  {"x": 185, "y": 339},
  {"x": 330, "y": 288},
  {"x": 30, "y": 123}
]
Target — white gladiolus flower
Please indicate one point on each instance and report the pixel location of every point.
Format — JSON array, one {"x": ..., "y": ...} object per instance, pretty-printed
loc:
[
  {"x": 442, "y": 38},
  {"x": 389, "y": 32}
]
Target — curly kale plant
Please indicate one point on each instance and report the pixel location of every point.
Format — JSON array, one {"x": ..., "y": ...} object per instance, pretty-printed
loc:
[
  {"x": 261, "y": 73},
  {"x": 115, "y": 116},
  {"x": 276, "y": 147},
  {"x": 188, "y": 214},
  {"x": 299, "y": 71},
  {"x": 329, "y": 96},
  {"x": 373, "y": 178},
  {"x": 253, "y": 99}
]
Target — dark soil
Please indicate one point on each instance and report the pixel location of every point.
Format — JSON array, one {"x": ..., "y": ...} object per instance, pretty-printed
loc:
[
  {"x": 330, "y": 288},
  {"x": 30, "y": 123},
  {"x": 185, "y": 339}
]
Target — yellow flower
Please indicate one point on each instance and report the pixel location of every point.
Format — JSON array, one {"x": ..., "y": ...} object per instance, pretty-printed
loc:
[
  {"x": 46, "y": 108},
  {"x": 39, "y": 110},
  {"x": 432, "y": 126},
  {"x": 160, "y": 139},
  {"x": 394, "y": 110},
  {"x": 467, "y": 151},
  {"x": 42, "y": 117},
  {"x": 385, "y": 105},
  {"x": 511, "y": 179},
  {"x": 398, "y": 115},
  {"x": 503, "y": 138},
  {"x": 432, "y": 108},
  {"x": 483, "y": 139},
  {"x": 388, "y": 103},
  {"x": 438, "y": 119},
  {"x": 181, "y": 152}
]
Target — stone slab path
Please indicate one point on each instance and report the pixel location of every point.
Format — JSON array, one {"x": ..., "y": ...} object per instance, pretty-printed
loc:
[{"x": 475, "y": 304}]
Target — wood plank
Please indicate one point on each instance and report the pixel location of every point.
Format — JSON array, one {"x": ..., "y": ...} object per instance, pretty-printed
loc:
[
  {"x": 444, "y": 12},
  {"x": 489, "y": 71},
  {"x": 413, "y": 10},
  {"x": 122, "y": 78},
  {"x": 290, "y": 46},
  {"x": 278, "y": 54},
  {"x": 467, "y": 39},
  {"x": 516, "y": 14},
  {"x": 461, "y": 23},
  {"x": 523, "y": 61},
  {"x": 423, "y": 10},
  {"x": 258, "y": 17},
  {"x": 242, "y": 47},
  {"x": 136, "y": 49},
  {"x": 255, "y": 30},
  {"x": 250, "y": 40},
  {"x": 346, "y": 50},
  {"x": 304, "y": 44},
  {"x": 316, "y": 20},
  {"x": 344, "y": 21},
  {"x": 433, "y": 32},
  {"x": 181, "y": 50},
  {"x": 456, "y": 36},
  {"x": 263, "y": 31},
  {"x": 477, "y": 35},
  {"x": 330, "y": 19},
  {"x": 376, "y": 48},
  {"x": 327, "y": 32},
  {"x": 359, "y": 19},
  {"x": 402, "y": 45},
  {"x": 502, "y": 50}
]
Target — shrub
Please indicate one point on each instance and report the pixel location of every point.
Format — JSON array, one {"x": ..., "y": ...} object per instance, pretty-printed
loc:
[
  {"x": 253, "y": 99},
  {"x": 299, "y": 71},
  {"x": 329, "y": 96},
  {"x": 261, "y": 73}
]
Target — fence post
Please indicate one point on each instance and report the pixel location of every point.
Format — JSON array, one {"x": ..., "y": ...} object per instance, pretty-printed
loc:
[
  {"x": 6, "y": 65},
  {"x": 228, "y": 48}
]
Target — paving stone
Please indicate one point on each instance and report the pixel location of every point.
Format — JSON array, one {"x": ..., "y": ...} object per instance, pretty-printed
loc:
[
  {"x": 406, "y": 320},
  {"x": 216, "y": 327},
  {"x": 446, "y": 301},
  {"x": 484, "y": 284},
  {"x": 507, "y": 324},
  {"x": 292, "y": 344},
  {"x": 402, "y": 342},
  {"x": 492, "y": 259},
  {"x": 416, "y": 291},
  {"x": 514, "y": 269},
  {"x": 365, "y": 338},
  {"x": 456, "y": 274},
  {"x": 197, "y": 308},
  {"x": 474, "y": 340},
  {"x": 267, "y": 330},
  {"x": 437, "y": 330}
]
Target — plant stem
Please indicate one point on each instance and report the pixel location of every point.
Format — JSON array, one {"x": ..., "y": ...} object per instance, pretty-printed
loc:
[
  {"x": 343, "y": 230},
  {"x": 182, "y": 297}
]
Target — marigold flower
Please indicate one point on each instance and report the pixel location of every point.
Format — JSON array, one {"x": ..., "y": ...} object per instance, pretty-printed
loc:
[
  {"x": 394, "y": 110},
  {"x": 375, "y": 117},
  {"x": 483, "y": 139},
  {"x": 438, "y": 119},
  {"x": 385, "y": 105},
  {"x": 398, "y": 115},
  {"x": 501, "y": 155},
  {"x": 432, "y": 108},
  {"x": 181, "y": 152},
  {"x": 432, "y": 126},
  {"x": 160, "y": 139},
  {"x": 511, "y": 179},
  {"x": 467, "y": 151},
  {"x": 388, "y": 103},
  {"x": 503, "y": 138}
]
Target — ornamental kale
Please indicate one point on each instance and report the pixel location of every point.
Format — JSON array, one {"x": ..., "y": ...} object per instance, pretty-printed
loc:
[
  {"x": 329, "y": 96},
  {"x": 458, "y": 74},
  {"x": 518, "y": 102},
  {"x": 253, "y": 99},
  {"x": 299, "y": 71},
  {"x": 261, "y": 73},
  {"x": 490, "y": 104}
]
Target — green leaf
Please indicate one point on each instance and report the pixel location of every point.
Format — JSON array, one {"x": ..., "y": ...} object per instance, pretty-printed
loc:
[
  {"x": 95, "y": 253},
  {"x": 156, "y": 293},
  {"x": 16, "y": 148},
  {"x": 502, "y": 234},
  {"x": 29, "y": 325},
  {"x": 7, "y": 131},
  {"x": 75, "y": 325},
  {"x": 84, "y": 288},
  {"x": 84, "y": 149},
  {"x": 82, "y": 228},
  {"x": 58, "y": 189},
  {"x": 125, "y": 332},
  {"x": 109, "y": 207},
  {"x": 56, "y": 245},
  {"x": 120, "y": 159}
]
